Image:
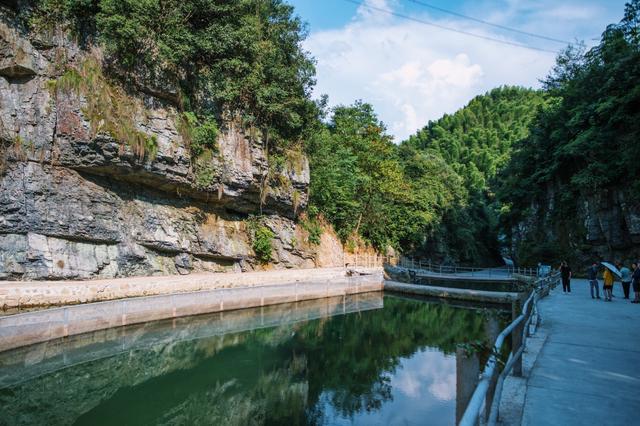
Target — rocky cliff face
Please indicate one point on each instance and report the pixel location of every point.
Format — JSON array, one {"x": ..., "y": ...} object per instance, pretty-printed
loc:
[
  {"x": 600, "y": 226},
  {"x": 76, "y": 202}
]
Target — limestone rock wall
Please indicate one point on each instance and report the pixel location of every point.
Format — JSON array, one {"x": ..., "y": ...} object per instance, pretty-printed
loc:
[
  {"x": 599, "y": 226},
  {"x": 77, "y": 203}
]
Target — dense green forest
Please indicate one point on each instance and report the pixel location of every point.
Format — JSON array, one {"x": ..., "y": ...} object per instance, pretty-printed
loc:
[
  {"x": 512, "y": 159},
  {"x": 476, "y": 142},
  {"x": 433, "y": 194},
  {"x": 583, "y": 143},
  {"x": 455, "y": 190}
]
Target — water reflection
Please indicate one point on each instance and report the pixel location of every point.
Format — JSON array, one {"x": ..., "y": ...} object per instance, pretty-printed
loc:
[{"x": 335, "y": 361}]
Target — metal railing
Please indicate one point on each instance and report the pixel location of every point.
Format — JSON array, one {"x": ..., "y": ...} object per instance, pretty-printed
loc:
[
  {"x": 439, "y": 269},
  {"x": 485, "y": 401},
  {"x": 367, "y": 260}
]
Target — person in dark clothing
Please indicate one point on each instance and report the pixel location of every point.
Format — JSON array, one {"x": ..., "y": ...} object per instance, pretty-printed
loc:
[
  {"x": 592, "y": 276},
  {"x": 565, "y": 272},
  {"x": 636, "y": 282},
  {"x": 625, "y": 278}
]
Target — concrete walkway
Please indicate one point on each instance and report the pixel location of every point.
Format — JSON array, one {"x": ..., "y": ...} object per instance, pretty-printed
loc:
[{"x": 588, "y": 371}]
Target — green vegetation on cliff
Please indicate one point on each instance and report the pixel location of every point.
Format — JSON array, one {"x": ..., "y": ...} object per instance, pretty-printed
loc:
[
  {"x": 583, "y": 143},
  {"x": 234, "y": 60},
  {"x": 451, "y": 191}
]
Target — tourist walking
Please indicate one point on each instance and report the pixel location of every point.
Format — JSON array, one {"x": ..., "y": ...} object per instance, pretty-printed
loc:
[
  {"x": 625, "y": 279},
  {"x": 565, "y": 272},
  {"x": 608, "y": 279},
  {"x": 592, "y": 276},
  {"x": 636, "y": 282}
]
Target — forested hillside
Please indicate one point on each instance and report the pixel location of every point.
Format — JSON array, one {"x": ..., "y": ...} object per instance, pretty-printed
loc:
[
  {"x": 371, "y": 191},
  {"x": 537, "y": 175},
  {"x": 573, "y": 187},
  {"x": 476, "y": 142}
]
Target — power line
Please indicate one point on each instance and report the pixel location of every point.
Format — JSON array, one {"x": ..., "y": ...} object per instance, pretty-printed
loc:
[
  {"x": 491, "y": 24},
  {"x": 443, "y": 27}
]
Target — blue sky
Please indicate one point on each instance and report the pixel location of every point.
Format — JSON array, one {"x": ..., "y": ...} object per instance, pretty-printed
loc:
[{"x": 412, "y": 72}]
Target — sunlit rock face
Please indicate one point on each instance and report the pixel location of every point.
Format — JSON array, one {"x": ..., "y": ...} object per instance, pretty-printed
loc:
[{"x": 75, "y": 202}]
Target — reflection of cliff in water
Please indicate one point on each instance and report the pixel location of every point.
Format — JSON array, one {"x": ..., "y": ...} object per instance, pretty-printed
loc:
[{"x": 280, "y": 364}]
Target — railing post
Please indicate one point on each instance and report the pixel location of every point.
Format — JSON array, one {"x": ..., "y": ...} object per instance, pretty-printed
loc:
[
  {"x": 516, "y": 338},
  {"x": 467, "y": 374}
]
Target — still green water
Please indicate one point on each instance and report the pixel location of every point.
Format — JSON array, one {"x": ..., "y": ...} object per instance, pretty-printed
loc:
[{"x": 364, "y": 360}]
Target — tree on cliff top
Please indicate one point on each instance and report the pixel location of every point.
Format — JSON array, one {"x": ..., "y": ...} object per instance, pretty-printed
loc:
[{"x": 231, "y": 59}]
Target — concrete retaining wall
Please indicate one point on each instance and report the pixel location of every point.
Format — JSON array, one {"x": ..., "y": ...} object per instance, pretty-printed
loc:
[
  {"x": 21, "y": 294},
  {"x": 452, "y": 293},
  {"x": 29, "y": 362},
  {"x": 39, "y": 326}
]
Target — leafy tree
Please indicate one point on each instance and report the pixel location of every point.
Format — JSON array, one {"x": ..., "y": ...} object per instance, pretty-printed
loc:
[{"x": 357, "y": 181}]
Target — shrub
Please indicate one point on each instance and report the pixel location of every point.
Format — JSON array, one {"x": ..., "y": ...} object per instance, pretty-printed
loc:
[
  {"x": 261, "y": 239},
  {"x": 314, "y": 228},
  {"x": 200, "y": 133},
  {"x": 108, "y": 108}
]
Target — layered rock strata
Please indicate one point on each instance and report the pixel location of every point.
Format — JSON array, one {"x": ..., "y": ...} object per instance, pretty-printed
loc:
[{"x": 75, "y": 202}]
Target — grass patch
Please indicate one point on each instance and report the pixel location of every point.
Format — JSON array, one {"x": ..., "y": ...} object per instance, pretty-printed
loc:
[
  {"x": 108, "y": 108},
  {"x": 313, "y": 227}
]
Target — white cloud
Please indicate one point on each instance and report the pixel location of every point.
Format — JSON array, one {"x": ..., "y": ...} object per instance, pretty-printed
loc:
[
  {"x": 413, "y": 73},
  {"x": 428, "y": 373}
]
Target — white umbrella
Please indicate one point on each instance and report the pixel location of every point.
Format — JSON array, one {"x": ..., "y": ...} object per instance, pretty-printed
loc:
[{"x": 612, "y": 268}]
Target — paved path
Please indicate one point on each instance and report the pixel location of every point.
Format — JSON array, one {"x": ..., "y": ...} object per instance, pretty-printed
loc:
[
  {"x": 588, "y": 371},
  {"x": 487, "y": 274}
]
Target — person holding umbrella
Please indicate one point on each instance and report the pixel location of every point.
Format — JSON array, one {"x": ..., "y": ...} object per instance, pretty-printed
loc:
[{"x": 608, "y": 278}]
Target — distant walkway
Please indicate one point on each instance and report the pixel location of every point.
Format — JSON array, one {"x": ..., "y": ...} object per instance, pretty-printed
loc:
[
  {"x": 588, "y": 371},
  {"x": 460, "y": 274}
]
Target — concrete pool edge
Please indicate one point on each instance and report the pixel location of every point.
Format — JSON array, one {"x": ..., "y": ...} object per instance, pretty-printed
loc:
[
  {"x": 39, "y": 326},
  {"x": 27, "y": 294},
  {"x": 499, "y": 297}
]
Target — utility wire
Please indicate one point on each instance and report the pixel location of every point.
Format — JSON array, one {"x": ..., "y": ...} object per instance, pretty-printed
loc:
[
  {"x": 491, "y": 24},
  {"x": 455, "y": 30}
]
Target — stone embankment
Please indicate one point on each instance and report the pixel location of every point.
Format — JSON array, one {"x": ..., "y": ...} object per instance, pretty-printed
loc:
[
  {"x": 21, "y": 294},
  {"x": 209, "y": 293}
]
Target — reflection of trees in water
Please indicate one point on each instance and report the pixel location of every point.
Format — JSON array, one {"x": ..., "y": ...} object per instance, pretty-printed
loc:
[
  {"x": 276, "y": 398},
  {"x": 351, "y": 358},
  {"x": 279, "y": 375}
]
